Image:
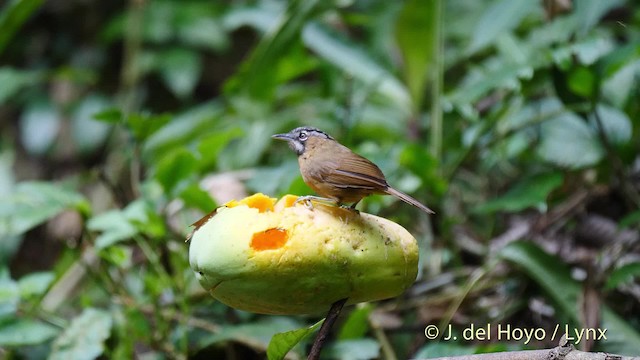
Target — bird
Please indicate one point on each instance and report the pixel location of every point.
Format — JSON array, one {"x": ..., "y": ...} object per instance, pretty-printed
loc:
[{"x": 335, "y": 172}]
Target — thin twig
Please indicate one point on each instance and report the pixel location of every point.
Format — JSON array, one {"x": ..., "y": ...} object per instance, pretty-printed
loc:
[{"x": 331, "y": 318}]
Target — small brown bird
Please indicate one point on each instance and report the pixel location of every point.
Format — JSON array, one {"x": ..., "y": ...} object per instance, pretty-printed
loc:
[{"x": 335, "y": 172}]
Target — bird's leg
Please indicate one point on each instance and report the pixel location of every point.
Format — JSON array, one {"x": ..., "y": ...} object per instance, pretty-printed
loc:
[
  {"x": 307, "y": 199},
  {"x": 351, "y": 207}
]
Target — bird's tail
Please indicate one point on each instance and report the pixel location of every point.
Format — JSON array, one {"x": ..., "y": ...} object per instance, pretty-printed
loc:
[{"x": 408, "y": 199}]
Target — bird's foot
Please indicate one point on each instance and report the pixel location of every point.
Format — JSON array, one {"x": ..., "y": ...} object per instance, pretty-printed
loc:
[
  {"x": 308, "y": 201},
  {"x": 350, "y": 208}
]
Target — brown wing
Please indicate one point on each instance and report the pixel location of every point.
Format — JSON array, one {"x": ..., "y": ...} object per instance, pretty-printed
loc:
[{"x": 354, "y": 171}]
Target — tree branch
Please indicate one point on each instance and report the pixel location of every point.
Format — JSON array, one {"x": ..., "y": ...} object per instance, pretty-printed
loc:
[{"x": 331, "y": 318}]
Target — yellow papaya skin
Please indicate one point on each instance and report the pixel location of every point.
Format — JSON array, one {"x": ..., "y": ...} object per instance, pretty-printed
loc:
[{"x": 292, "y": 259}]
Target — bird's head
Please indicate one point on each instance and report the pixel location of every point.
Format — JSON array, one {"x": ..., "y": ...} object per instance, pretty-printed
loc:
[{"x": 298, "y": 137}]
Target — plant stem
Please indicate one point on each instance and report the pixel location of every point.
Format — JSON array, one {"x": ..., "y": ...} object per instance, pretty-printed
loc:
[{"x": 331, "y": 318}]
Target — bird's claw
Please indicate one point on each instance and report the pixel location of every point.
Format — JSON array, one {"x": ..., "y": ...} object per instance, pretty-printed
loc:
[{"x": 306, "y": 200}]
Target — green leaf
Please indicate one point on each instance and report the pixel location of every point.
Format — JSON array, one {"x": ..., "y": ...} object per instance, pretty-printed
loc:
[
  {"x": 118, "y": 255},
  {"x": 356, "y": 325},
  {"x": 532, "y": 191},
  {"x": 120, "y": 225},
  {"x": 616, "y": 124},
  {"x": 582, "y": 82},
  {"x": 12, "y": 16},
  {"x": 282, "y": 343},
  {"x": 195, "y": 197},
  {"x": 9, "y": 294},
  {"x": 625, "y": 273},
  {"x": 554, "y": 277},
  {"x": 203, "y": 31},
  {"x": 590, "y": 11},
  {"x": 566, "y": 140},
  {"x": 257, "y": 76},
  {"x": 500, "y": 17},
  {"x": 13, "y": 81},
  {"x": 182, "y": 129},
  {"x": 35, "y": 284},
  {"x": 109, "y": 116},
  {"x": 618, "y": 88},
  {"x": 143, "y": 126},
  {"x": 35, "y": 202},
  {"x": 180, "y": 70},
  {"x": 175, "y": 167},
  {"x": 417, "y": 24},
  {"x": 210, "y": 146},
  {"x": 84, "y": 338},
  {"x": 353, "y": 60},
  {"x": 25, "y": 332},
  {"x": 115, "y": 227}
]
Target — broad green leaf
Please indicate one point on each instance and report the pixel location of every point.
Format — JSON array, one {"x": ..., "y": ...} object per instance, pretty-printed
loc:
[
  {"x": 9, "y": 294},
  {"x": 84, "y": 338},
  {"x": 282, "y": 343},
  {"x": 119, "y": 255},
  {"x": 257, "y": 75},
  {"x": 109, "y": 116},
  {"x": 360, "y": 349},
  {"x": 120, "y": 225},
  {"x": 203, "y": 31},
  {"x": 180, "y": 69},
  {"x": 88, "y": 133},
  {"x": 178, "y": 165},
  {"x": 12, "y": 15},
  {"x": 14, "y": 81},
  {"x": 35, "y": 202},
  {"x": 114, "y": 227},
  {"x": 590, "y": 11},
  {"x": 567, "y": 141},
  {"x": 143, "y": 126},
  {"x": 625, "y": 273},
  {"x": 195, "y": 197},
  {"x": 262, "y": 17},
  {"x": 10, "y": 243},
  {"x": 554, "y": 277},
  {"x": 23, "y": 332},
  {"x": 416, "y": 29},
  {"x": 617, "y": 89},
  {"x": 480, "y": 81},
  {"x": 247, "y": 150},
  {"x": 357, "y": 324},
  {"x": 183, "y": 129},
  {"x": 354, "y": 60},
  {"x": 500, "y": 17},
  {"x": 210, "y": 146},
  {"x": 530, "y": 192},
  {"x": 35, "y": 284},
  {"x": 39, "y": 126},
  {"x": 582, "y": 81},
  {"x": 616, "y": 124}
]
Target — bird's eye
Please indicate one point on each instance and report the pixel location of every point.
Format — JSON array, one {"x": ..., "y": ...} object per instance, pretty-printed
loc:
[{"x": 302, "y": 136}]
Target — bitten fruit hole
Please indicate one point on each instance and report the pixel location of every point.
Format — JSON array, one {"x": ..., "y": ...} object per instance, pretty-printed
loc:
[{"x": 269, "y": 239}]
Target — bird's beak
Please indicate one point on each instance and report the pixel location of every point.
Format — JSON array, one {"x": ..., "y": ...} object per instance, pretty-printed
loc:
[{"x": 285, "y": 137}]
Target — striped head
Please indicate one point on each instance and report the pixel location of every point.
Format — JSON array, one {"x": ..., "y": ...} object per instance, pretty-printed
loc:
[{"x": 297, "y": 138}]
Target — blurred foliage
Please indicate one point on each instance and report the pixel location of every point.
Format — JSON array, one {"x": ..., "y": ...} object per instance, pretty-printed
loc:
[{"x": 123, "y": 122}]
